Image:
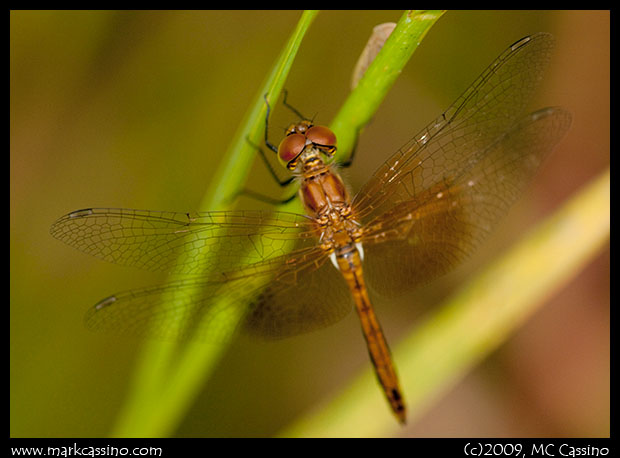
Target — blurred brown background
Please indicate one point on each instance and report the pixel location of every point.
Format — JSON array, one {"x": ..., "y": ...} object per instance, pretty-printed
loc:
[{"x": 135, "y": 109}]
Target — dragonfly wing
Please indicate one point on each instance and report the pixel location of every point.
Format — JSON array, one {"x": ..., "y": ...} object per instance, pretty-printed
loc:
[
  {"x": 484, "y": 112},
  {"x": 297, "y": 302},
  {"x": 183, "y": 243},
  {"x": 279, "y": 297},
  {"x": 426, "y": 234},
  {"x": 171, "y": 311}
]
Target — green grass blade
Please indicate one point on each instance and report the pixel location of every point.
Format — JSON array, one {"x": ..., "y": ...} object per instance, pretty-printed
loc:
[
  {"x": 364, "y": 101},
  {"x": 468, "y": 327},
  {"x": 168, "y": 375},
  {"x": 239, "y": 159}
]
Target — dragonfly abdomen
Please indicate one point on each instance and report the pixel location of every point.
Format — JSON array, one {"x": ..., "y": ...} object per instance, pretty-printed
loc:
[{"x": 349, "y": 262}]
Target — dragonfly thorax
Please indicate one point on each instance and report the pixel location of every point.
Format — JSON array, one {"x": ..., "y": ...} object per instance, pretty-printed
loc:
[
  {"x": 325, "y": 197},
  {"x": 337, "y": 230},
  {"x": 323, "y": 190}
]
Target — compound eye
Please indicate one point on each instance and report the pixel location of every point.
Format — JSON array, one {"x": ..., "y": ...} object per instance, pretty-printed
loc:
[
  {"x": 321, "y": 135},
  {"x": 291, "y": 147}
]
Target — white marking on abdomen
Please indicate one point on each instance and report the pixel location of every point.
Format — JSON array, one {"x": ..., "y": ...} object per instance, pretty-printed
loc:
[
  {"x": 360, "y": 249},
  {"x": 332, "y": 256}
]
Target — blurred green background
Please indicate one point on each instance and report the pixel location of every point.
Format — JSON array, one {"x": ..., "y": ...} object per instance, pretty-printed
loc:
[{"x": 135, "y": 109}]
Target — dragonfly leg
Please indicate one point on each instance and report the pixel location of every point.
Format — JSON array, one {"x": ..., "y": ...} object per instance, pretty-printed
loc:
[
  {"x": 290, "y": 107},
  {"x": 349, "y": 161},
  {"x": 264, "y": 198},
  {"x": 271, "y": 146},
  {"x": 272, "y": 171}
]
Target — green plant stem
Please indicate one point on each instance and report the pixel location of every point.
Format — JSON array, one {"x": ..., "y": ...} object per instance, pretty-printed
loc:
[
  {"x": 475, "y": 321},
  {"x": 364, "y": 101},
  {"x": 168, "y": 376}
]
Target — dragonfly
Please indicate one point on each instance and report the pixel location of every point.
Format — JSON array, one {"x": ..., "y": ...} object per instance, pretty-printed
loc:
[{"x": 428, "y": 207}]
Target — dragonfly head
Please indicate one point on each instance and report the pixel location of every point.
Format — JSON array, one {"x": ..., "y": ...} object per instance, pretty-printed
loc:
[{"x": 301, "y": 135}]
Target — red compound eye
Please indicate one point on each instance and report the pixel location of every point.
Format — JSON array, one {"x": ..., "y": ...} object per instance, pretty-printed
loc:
[
  {"x": 291, "y": 147},
  {"x": 321, "y": 135}
]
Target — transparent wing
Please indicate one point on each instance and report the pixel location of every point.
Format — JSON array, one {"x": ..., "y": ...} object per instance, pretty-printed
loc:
[
  {"x": 426, "y": 234},
  {"x": 484, "y": 112},
  {"x": 276, "y": 298},
  {"x": 242, "y": 264},
  {"x": 183, "y": 243}
]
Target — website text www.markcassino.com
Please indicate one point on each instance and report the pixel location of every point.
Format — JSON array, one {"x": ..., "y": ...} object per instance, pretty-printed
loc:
[{"x": 76, "y": 450}]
